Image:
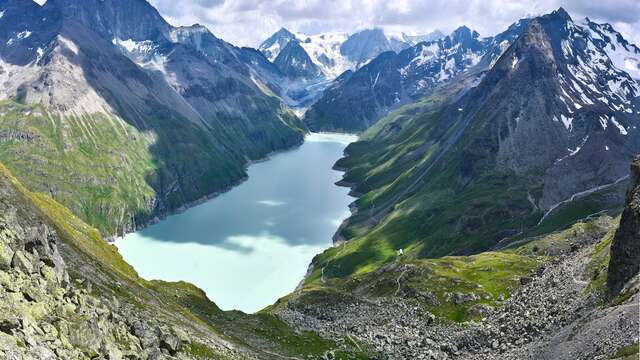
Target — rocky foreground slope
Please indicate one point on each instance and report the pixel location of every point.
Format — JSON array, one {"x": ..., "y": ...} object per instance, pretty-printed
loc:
[
  {"x": 46, "y": 313},
  {"x": 549, "y": 304}
]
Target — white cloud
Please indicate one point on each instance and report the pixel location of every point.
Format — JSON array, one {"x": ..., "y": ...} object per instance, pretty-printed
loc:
[
  {"x": 271, "y": 203},
  {"x": 248, "y": 22}
]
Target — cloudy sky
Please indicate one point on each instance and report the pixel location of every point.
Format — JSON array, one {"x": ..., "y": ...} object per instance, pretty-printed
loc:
[{"x": 248, "y": 22}]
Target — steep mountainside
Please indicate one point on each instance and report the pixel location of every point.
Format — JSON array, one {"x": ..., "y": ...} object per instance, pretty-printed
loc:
[
  {"x": 542, "y": 140},
  {"x": 358, "y": 99},
  {"x": 122, "y": 117}
]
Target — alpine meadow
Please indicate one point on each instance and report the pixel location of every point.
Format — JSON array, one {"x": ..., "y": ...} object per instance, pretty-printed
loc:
[{"x": 351, "y": 180}]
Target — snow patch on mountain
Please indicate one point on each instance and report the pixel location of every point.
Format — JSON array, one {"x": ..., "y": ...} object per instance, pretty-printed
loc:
[
  {"x": 595, "y": 58},
  {"x": 621, "y": 128},
  {"x": 24, "y": 34},
  {"x": 324, "y": 51},
  {"x": 624, "y": 55},
  {"x": 70, "y": 45}
]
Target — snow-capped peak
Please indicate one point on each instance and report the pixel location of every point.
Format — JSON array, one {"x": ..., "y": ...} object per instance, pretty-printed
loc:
[{"x": 601, "y": 66}]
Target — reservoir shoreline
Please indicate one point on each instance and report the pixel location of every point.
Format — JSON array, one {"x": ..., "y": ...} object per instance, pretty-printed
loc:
[{"x": 252, "y": 243}]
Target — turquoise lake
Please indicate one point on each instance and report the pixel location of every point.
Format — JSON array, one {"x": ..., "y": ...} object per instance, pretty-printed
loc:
[{"x": 252, "y": 245}]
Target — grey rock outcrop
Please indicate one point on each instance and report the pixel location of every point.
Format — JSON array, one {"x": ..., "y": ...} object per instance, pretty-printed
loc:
[{"x": 625, "y": 248}]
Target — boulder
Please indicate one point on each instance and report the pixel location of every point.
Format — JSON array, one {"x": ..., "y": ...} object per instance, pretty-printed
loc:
[
  {"x": 480, "y": 310},
  {"x": 170, "y": 342},
  {"x": 22, "y": 263},
  {"x": 6, "y": 255}
]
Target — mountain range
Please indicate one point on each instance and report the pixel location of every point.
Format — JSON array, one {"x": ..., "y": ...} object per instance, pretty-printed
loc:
[
  {"x": 495, "y": 214},
  {"x": 392, "y": 80},
  {"x": 309, "y": 64},
  {"x": 335, "y": 53}
]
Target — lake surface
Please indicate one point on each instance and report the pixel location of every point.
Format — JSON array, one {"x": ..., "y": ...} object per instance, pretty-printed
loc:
[{"x": 252, "y": 245}]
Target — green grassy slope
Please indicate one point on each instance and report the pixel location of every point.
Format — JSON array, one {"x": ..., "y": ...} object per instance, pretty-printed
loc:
[
  {"x": 426, "y": 215},
  {"x": 95, "y": 165}
]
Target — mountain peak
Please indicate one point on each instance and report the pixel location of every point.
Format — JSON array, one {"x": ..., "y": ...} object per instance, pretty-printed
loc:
[
  {"x": 294, "y": 61},
  {"x": 365, "y": 45},
  {"x": 124, "y": 19},
  {"x": 284, "y": 32},
  {"x": 463, "y": 33},
  {"x": 436, "y": 34},
  {"x": 195, "y": 28},
  {"x": 561, "y": 13},
  {"x": 276, "y": 42},
  {"x": 462, "y": 30}
]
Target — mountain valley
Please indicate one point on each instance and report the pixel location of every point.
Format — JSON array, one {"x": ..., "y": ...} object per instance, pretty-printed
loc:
[{"x": 496, "y": 183}]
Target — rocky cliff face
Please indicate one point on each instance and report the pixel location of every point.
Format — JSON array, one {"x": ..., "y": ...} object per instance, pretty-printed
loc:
[{"x": 625, "y": 248}]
